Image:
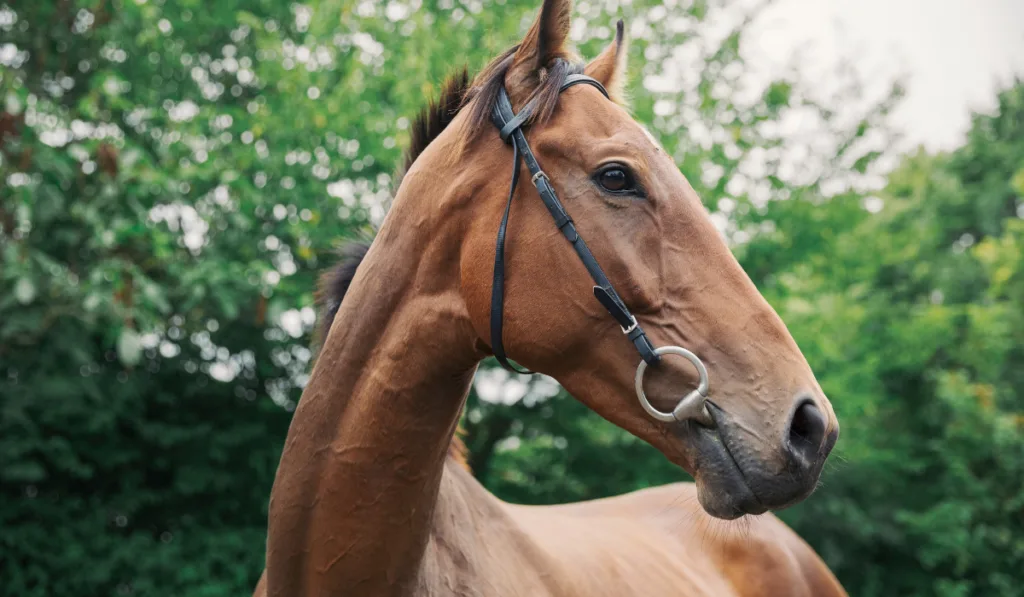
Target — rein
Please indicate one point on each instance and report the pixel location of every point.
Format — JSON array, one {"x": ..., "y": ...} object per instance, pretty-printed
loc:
[{"x": 510, "y": 128}]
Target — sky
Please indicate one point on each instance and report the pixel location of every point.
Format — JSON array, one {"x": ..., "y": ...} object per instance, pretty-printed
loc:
[{"x": 952, "y": 54}]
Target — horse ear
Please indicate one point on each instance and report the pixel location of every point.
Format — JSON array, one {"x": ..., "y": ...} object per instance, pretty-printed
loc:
[
  {"x": 610, "y": 66},
  {"x": 545, "y": 41}
]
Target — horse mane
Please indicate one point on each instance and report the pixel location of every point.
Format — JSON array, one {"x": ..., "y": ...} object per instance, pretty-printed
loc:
[
  {"x": 457, "y": 94},
  {"x": 334, "y": 284},
  {"x": 434, "y": 118}
]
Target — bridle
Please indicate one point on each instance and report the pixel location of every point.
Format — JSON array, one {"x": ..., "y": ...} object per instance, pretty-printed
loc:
[{"x": 510, "y": 127}]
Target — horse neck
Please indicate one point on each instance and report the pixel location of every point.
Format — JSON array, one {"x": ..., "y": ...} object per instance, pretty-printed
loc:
[{"x": 359, "y": 478}]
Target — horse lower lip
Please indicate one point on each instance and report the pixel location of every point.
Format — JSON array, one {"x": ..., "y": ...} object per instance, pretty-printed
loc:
[{"x": 723, "y": 476}]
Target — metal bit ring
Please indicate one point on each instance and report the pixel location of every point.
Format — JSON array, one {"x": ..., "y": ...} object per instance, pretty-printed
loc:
[{"x": 693, "y": 405}]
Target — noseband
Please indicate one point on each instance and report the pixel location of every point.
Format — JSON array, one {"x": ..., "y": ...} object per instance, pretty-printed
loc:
[{"x": 510, "y": 127}]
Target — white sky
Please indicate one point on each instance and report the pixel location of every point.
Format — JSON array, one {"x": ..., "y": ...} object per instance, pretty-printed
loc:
[{"x": 953, "y": 53}]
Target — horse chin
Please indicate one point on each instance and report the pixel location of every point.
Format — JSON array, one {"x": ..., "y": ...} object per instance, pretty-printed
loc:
[{"x": 721, "y": 488}]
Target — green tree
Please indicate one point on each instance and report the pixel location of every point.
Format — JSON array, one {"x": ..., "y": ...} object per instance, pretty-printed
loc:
[{"x": 913, "y": 320}]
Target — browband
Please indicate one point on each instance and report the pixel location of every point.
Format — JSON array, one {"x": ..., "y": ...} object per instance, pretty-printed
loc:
[{"x": 510, "y": 127}]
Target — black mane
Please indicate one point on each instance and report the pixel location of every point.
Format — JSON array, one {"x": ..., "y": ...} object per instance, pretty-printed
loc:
[
  {"x": 334, "y": 283},
  {"x": 435, "y": 117},
  {"x": 457, "y": 93}
]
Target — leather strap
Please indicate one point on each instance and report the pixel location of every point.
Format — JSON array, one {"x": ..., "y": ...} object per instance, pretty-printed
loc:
[{"x": 510, "y": 127}]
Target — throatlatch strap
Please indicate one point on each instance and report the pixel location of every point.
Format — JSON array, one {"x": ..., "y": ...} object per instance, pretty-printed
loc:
[{"x": 510, "y": 128}]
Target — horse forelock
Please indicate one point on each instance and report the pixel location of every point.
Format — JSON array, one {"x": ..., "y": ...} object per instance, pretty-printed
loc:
[{"x": 480, "y": 98}]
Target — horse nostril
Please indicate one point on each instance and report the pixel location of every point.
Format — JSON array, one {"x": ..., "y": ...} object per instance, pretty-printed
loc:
[{"x": 806, "y": 431}]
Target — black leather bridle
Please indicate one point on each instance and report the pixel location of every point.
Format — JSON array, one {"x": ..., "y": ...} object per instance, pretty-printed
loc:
[{"x": 510, "y": 127}]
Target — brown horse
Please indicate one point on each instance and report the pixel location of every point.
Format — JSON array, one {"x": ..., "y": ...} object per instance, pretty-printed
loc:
[{"x": 367, "y": 501}]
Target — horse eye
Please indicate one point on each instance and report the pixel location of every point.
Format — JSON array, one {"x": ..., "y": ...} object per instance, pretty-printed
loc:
[{"x": 615, "y": 180}]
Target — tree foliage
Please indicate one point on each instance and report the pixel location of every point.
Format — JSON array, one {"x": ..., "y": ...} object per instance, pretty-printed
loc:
[
  {"x": 174, "y": 174},
  {"x": 914, "y": 322}
]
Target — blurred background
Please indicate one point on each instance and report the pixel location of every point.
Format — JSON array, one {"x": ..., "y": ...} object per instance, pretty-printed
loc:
[{"x": 174, "y": 174}]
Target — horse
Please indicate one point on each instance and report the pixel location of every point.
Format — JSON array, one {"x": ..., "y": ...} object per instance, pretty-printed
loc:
[{"x": 369, "y": 498}]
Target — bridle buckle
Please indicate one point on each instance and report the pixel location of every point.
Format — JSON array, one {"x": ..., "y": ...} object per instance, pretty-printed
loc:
[
  {"x": 539, "y": 175},
  {"x": 632, "y": 326}
]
